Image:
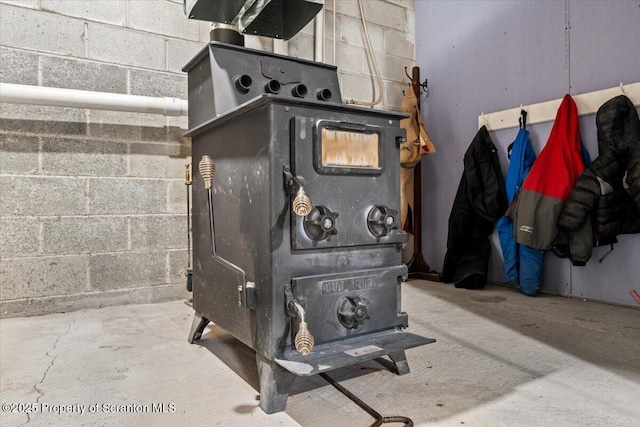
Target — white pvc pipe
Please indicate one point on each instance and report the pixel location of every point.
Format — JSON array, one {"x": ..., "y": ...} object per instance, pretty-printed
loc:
[
  {"x": 72, "y": 98},
  {"x": 318, "y": 50},
  {"x": 334, "y": 32}
]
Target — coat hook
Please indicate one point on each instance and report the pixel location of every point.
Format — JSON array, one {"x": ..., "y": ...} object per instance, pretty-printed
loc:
[
  {"x": 522, "y": 120},
  {"x": 622, "y": 89},
  {"x": 425, "y": 85},
  {"x": 485, "y": 120},
  {"x": 406, "y": 73}
]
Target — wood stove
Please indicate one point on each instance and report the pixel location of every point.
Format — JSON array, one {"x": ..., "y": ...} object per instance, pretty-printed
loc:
[{"x": 296, "y": 236}]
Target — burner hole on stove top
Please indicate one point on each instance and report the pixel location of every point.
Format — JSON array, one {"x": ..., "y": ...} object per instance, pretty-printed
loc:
[
  {"x": 299, "y": 91},
  {"x": 243, "y": 83},
  {"x": 272, "y": 86},
  {"x": 323, "y": 94}
]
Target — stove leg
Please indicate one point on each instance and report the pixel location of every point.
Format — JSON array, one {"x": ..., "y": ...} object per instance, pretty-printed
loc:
[
  {"x": 399, "y": 359},
  {"x": 275, "y": 382},
  {"x": 197, "y": 327}
]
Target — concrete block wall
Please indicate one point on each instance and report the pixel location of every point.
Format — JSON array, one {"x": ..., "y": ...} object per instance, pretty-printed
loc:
[
  {"x": 391, "y": 25},
  {"x": 92, "y": 203}
]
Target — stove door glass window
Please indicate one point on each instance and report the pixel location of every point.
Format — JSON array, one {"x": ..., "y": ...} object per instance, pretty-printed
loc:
[{"x": 350, "y": 149}]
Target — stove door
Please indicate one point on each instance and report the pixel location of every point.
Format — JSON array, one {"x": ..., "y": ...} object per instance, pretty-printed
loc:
[
  {"x": 351, "y": 174},
  {"x": 348, "y": 304}
]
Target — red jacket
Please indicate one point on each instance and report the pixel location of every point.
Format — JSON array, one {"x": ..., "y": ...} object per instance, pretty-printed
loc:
[{"x": 548, "y": 185}]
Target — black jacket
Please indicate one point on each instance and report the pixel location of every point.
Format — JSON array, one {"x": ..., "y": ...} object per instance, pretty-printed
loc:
[
  {"x": 481, "y": 199},
  {"x": 610, "y": 187}
]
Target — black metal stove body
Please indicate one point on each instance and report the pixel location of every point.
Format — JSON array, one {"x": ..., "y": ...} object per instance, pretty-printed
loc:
[{"x": 339, "y": 262}]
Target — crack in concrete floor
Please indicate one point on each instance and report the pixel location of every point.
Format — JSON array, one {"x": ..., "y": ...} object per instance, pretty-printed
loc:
[{"x": 53, "y": 359}]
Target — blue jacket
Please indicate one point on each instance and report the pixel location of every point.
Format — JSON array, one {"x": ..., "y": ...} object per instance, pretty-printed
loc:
[{"x": 522, "y": 264}]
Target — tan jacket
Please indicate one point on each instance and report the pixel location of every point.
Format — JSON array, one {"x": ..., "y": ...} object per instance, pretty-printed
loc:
[
  {"x": 418, "y": 143},
  {"x": 411, "y": 152}
]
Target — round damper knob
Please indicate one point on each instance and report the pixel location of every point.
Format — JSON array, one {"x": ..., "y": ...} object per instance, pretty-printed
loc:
[
  {"x": 320, "y": 223},
  {"x": 352, "y": 311},
  {"x": 381, "y": 220}
]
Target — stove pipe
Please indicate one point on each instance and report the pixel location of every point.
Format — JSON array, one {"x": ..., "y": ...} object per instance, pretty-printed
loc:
[{"x": 226, "y": 34}]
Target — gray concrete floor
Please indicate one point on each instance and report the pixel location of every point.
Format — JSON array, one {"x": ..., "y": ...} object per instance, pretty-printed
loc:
[{"x": 501, "y": 359}]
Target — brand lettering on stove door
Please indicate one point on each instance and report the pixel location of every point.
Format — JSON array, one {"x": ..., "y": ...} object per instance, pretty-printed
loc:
[{"x": 347, "y": 285}]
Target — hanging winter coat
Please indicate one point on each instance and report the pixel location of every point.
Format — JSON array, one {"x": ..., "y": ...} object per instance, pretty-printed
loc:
[
  {"x": 481, "y": 199},
  {"x": 522, "y": 264},
  {"x": 547, "y": 187},
  {"x": 600, "y": 189}
]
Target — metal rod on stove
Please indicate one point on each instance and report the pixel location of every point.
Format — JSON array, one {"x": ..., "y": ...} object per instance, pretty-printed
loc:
[
  {"x": 187, "y": 183},
  {"x": 368, "y": 409},
  {"x": 217, "y": 257},
  {"x": 188, "y": 231},
  {"x": 207, "y": 170}
]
